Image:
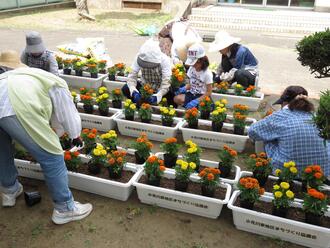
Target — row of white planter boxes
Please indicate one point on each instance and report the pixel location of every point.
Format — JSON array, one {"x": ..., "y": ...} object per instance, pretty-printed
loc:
[{"x": 94, "y": 83}]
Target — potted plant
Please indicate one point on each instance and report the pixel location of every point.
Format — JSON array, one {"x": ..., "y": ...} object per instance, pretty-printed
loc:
[
  {"x": 313, "y": 177},
  {"x": 154, "y": 169},
  {"x": 67, "y": 65},
  {"x": 110, "y": 140},
  {"x": 87, "y": 100},
  {"x": 193, "y": 153},
  {"x": 241, "y": 108},
  {"x": 59, "y": 61},
  {"x": 191, "y": 116},
  {"x": 288, "y": 173},
  {"x": 321, "y": 118},
  {"x": 283, "y": 196},
  {"x": 167, "y": 113},
  {"x": 102, "y": 101},
  {"x": 72, "y": 160},
  {"x": 143, "y": 147},
  {"x": 112, "y": 73},
  {"x": 218, "y": 116},
  {"x": 205, "y": 107},
  {"x": 89, "y": 138},
  {"x": 65, "y": 141},
  {"x": 78, "y": 66},
  {"x": 227, "y": 157},
  {"x": 239, "y": 123},
  {"x": 129, "y": 110},
  {"x": 170, "y": 148},
  {"x": 260, "y": 166},
  {"x": 221, "y": 88},
  {"x": 120, "y": 67},
  {"x": 315, "y": 205},
  {"x": 102, "y": 64},
  {"x": 178, "y": 76},
  {"x": 163, "y": 102},
  {"x": 74, "y": 96},
  {"x": 250, "y": 91},
  {"x": 98, "y": 159},
  {"x": 238, "y": 89},
  {"x": 145, "y": 112},
  {"x": 209, "y": 181},
  {"x": 250, "y": 192},
  {"x": 146, "y": 92},
  {"x": 117, "y": 97},
  {"x": 116, "y": 163},
  {"x": 183, "y": 170}
]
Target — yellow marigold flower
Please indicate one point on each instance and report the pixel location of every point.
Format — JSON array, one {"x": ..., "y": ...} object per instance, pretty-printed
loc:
[
  {"x": 184, "y": 165},
  {"x": 103, "y": 152},
  {"x": 73, "y": 93},
  {"x": 276, "y": 187},
  {"x": 189, "y": 142},
  {"x": 277, "y": 172},
  {"x": 224, "y": 101},
  {"x": 179, "y": 161},
  {"x": 289, "y": 194},
  {"x": 293, "y": 170},
  {"x": 192, "y": 165},
  {"x": 96, "y": 152},
  {"x": 97, "y": 100},
  {"x": 286, "y": 165},
  {"x": 105, "y": 96},
  {"x": 165, "y": 111},
  {"x": 164, "y": 99},
  {"x": 93, "y": 94},
  {"x": 112, "y": 132},
  {"x": 215, "y": 112},
  {"x": 126, "y": 104},
  {"x": 101, "y": 91},
  {"x": 132, "y": 106},
  {"x": 284, "y": 185},
  {"x": 278, "y": 194},
  {"x": 99, "y": 146},
  {"x": 172, "y": 112}
]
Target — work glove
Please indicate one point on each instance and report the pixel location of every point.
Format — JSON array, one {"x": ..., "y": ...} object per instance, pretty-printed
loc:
[
  {"x": 136, "y": 96},
  {"x": 181, "y": 90},
  {"x": 192, "y": 103},
  {"x": 77, "y": 142},
  {"x": 155, "y": 98},
  {"x": 228, "y": 76}
]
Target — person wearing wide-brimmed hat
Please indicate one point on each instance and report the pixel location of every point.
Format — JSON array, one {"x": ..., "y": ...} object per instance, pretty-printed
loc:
[
  {"x": 30, "y": 99},
  {"x": 36, "y": 55},
  {"x": 238, "y": 64},
  {"x": 155, "y": 69},
  {"x": 289, "y": 134}
]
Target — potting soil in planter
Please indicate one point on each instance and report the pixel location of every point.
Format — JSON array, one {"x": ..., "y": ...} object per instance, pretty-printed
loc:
[
  {"x": 293, "y": 213},
  {"x": 193, "y": 187},
  {"x": 209, "y": 128},
  {"x": 126, "y": 175},
  {"x": 233, "y": 94},
  {"x": 95, "y": 112},
  {"x": 232, "y": 174},
  {"x": 155, "y": 122}
]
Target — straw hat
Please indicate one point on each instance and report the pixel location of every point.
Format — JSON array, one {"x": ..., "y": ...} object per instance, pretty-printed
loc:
[
  {"x": 222, "y": 40},
  {"x": 11, "y": 59}
]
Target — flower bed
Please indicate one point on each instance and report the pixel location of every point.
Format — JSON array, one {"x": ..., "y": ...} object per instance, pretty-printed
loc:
[
  {"x": 252, "y": 102},
  {"x": 102, "y": 123},
  {"x": 85, "y": 80},
  {"x": 181, "y": 201},
  {"x": 92, "y": 184},
  {"x": 235, "y": 173},
  {"x": 276, "y": 227},
  {"x": 111, "y": 85},
  {"x": 214, "y": 140},
  {"x": 154, "y": 132}
]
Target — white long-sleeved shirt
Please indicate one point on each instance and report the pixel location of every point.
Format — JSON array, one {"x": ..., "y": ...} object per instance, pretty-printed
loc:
[{"x": 64, "y": 116}]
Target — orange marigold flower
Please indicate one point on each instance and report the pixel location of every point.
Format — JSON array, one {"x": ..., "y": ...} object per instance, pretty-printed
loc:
[
  {"x": 162, "y": 168},
  {"x": 112, "y": 161},
  {"x": 308, "y": 170},
  {"x": 94, "y": 130},
  {"x": 119, "y": 160},
  {"x": 253, "y": 156},
  {"x": 210, "y": 176},
  {"x": 117, "y": 91},
  {"x": 258, "y": 164},
  {"x": 123, "y": 153},
  {"x": 317, "y": 168},
  {"x": 202, "y": 173},
  {"x": 116, "y": 153},
  {"x": 249, "y": 185},
  {"x": 233, "y": 153},
  {"x": 202, "y": 104},
  {"x": 91, "y": 135},
  {"x": 85, "y": 131},
  {"x": 76, "y": 154},
  {"x": 262, "y": 155},
  {"x": 318, "y": 175},
  {"x": 261, "y": 191},
  {"x": 67, "y": 157},
  {"x": 207, "y": 99},
  {"x": 152, "y": 159},
  {"x": 150, "y": 145}
]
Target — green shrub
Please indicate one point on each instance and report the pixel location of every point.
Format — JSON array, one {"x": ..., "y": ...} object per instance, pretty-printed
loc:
[
  {"x": 314, "y": 51},
  {"x": 322, "y": 116}
]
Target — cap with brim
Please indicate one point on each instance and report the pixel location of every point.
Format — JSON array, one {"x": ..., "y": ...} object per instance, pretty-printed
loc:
[
  {"x": 290, "y": 93},
  {"x": 279, "y": 101},
  {"x": 10, "y": 59},
  {"x": 34, "y": 43},
  {"x": 146, "y": 64},
  {"x": 191, "y": 61}
]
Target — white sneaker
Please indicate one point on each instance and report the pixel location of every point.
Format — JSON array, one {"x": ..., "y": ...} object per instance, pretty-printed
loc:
[
  {"x": 9, "y": 200},
  {"x": 80, "y": 211}
]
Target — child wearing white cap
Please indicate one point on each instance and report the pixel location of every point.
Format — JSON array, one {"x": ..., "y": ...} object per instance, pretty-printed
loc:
[{"x": 200, "y": 78}]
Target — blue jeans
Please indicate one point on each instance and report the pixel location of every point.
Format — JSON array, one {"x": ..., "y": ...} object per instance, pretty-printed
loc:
[{"x": 53, "y": 166}]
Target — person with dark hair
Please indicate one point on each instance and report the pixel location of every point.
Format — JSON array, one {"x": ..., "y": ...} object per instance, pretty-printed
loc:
[
  {"x": 200, "y": 78},
  {"x": 289, "y": 134},
  {"x": 238, "y": 64}
]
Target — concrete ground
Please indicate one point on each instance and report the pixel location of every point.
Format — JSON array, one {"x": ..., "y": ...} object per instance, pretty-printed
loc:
[{"x": 132, "y": 224}]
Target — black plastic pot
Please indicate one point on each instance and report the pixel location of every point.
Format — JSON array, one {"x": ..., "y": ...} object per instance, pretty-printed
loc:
[
  {"x": 225, "y": 170},
  {"x": 262, "y": 179},
  {"x": 88, "y": 109},
  {"x": 167, "y": 123},
  {"x": 193, "y": 125},
  {"x": 67, "y": 71},
  {"x": 313, "y": 219},
  {"x": 205, "y": 115},
  {"x": 154, "y": 181},
  {"x": 113, "y": 174},
  {"x": 139, "y": 159},
  {"x": 145, "y": 120},
  {"x": 181, "y": 186},
  {"x": 112, "y": 77},
  {"x": 208, "y": 191},
  {"x": 170, "y": 160},
  {"x": 94, "y": 169},
  {"x": 116, "y": 104},
  {"x": 217, "y": 126},
  {"x": 239, "y": 130},
  {"x": 66, "y": 144},
  {"x": 94, "y": 75},
  {"x": 79, "y": 73},
  {"x": 281, "y": 212},
  {"x": 246, "y": 204},
  {"x": 104, "y": 112},
  {"x": 32, "y": 198}
]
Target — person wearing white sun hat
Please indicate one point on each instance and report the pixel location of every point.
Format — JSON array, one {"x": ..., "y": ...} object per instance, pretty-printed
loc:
[{"x": 238, "y": 64}]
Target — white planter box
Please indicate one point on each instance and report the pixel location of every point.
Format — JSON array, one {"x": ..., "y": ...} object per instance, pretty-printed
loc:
[
  {"x": 252, "y": 102},
  {"x": 154, "y": 132},
  {"x": 91, "y": 184},
  {"x": 214, "y": 140},
  {"x": 85, "y": 81},
  {"x": 277, "y": 227},
  {"x": 102, "y": 123},
  {"x": 208, "y": 163},
  {"x": 181, "y": 201},
  {"x": 111, "y": 85}
]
